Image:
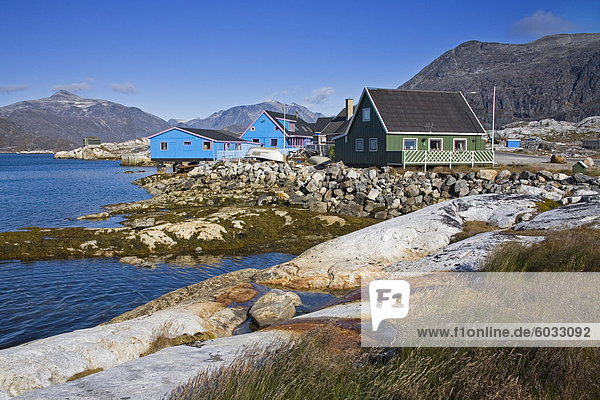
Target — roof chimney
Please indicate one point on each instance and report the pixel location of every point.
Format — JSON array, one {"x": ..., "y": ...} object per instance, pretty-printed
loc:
[
  {"x": 349, "y": 108},
  {"x": 296, "y": 114}
]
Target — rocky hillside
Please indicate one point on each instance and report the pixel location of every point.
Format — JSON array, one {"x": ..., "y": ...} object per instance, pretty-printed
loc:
[
  {"x": 554, "y": 77},
  {"x": 237, "y": 119},
  {"x": 61, "y": 121}
]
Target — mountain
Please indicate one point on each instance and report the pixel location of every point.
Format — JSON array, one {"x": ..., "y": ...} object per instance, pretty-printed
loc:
[
  {"x": 61, "y": 121},
  {"x": 556, "y": 77},
  {"x": 237, "y": 119}
]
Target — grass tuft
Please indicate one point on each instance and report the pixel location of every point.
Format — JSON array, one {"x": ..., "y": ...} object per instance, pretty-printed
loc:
[
  {"x": 312, "y": 368},
  {"x": 575, "y": 250},
  {"x": 85, "y": 373},
  {"x": 161, "y": 338}
]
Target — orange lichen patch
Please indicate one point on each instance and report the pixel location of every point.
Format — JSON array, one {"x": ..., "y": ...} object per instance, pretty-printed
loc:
[
  {"x": 238, "y": 294},
  {"x": 344, "y": 333}
]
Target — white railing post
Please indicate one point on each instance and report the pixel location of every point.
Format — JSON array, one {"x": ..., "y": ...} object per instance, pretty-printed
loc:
[
  {"x": 426, "y": 152},
  {"x": 404, "y": 160},
  {"x": 451, "y": 153},
  {"x": 472, "y": 159}
]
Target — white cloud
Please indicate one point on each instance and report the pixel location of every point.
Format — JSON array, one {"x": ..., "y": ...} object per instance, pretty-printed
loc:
[
  {"x": 126, "y": 88},
  {"x": 542, "y": 23},
  {"x": 320, "y": 96},
  {"x": 75, "y": 87},
  {"x": 13, "y": 88}
]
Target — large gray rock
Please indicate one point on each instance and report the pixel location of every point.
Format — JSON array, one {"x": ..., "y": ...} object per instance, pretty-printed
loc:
[
  {"x": 275, "y": 306},
  {"x": 156, "y": 375},
  {"x": 342, "y": 263},
  {"x": 566, "y": 217},
  {"x": 53, "y": 360}
]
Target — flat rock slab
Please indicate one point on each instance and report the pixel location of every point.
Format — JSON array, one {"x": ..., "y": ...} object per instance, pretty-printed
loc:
[
  {"x": 156, "y": 375},
  {"x": 566, "y": 217},
  {"x": 54, "y": 360},
  {"x": 343, "y": 262},
  {"x": 467, "y": 255}
]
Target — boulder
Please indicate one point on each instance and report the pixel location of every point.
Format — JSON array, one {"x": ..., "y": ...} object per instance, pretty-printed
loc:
[
  {"x": 460, "y": 188},
  {"x": 487, "y": 174},
  {"x": 138, "y": 262},
  {"x": 556, "y": 159},
  {"x": 588, "y": 161},
  {"x": 275, "y": 306}
]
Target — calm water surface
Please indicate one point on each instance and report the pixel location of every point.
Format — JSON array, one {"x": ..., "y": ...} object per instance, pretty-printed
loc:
[
  {"x": 37, "y": 190},
  {"x": 45, "y": 298}
]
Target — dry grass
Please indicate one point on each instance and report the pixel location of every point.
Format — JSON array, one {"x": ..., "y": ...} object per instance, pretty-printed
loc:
[
  {"x": 575, "y": 250},
  {"x": 309, "y": 369},
  {"x": 161, "y": 338},
  {"x": 84, "y": 374},
  {"x": 472, "y": 228}
]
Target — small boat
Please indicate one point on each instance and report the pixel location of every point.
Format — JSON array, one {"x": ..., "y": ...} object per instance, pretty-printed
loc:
[{"x": 265, "y": 153}]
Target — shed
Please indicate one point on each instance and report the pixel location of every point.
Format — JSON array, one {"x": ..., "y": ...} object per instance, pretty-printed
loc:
[
  {"x": 580, "y": 166},
  {"x": 91, "y": 141},
  {"x": 514, "y": 143}
]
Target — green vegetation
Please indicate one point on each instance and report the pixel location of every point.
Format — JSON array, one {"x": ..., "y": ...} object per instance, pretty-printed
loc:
[
  {"x": 575, "y": 250},
  {"x": 263, "y": 229},
  {"x": 316, "y": 367},
  {"x": 547, "y": 205}
]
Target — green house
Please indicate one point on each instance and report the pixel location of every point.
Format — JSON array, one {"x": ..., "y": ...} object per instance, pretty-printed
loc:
[{"x": 409, "y": 127}]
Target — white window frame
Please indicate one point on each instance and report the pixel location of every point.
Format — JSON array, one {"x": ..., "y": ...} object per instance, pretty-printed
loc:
[
  {"x": 276, "y": 142},
  {"x": 441, "y": 144},
  {"x": 164, "y": 146},
  {"x": 404, "y": 144},
  {"x": 362, "y": 145},
  {"x": 461, "y": 140},
  {"x": 187, "y": 143},
  {"x": 376, "y": 144},
  {"x": 252, "y": 128},
  {"x": 255, "y": 140},
  {"x": 366, "y": 114},
  {"x": 204, "y": 145}
]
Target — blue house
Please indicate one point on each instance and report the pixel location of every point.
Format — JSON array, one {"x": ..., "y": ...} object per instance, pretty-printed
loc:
[
  {"x": 273, "y": 129},
  {"x": 187, "y": 144}
]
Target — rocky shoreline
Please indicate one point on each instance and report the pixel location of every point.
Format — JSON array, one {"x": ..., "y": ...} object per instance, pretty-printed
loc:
[{"x": 228, "y": 207}]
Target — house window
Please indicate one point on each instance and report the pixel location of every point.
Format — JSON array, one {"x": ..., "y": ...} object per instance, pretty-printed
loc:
[
  {"x": 372, "y": 144},
  {"x": 273, "y": 142},
  {"x": 164, "y": 145},
  {"x": 276, "y": 128},
  {"x": 366, "y": 114},
  {"x": 256, "y": 140},
  {"x": 187, "y": 143},
  {"x": 227, "y": 146},
  {"x": 206, "y": 146},
  {"x": 410, "y": 144},
  {"x": 460, "y": 144},
  {"x": 292, "y": 127},
  {"x": 435, "y": 144},
  {"x": 252, "y": 128},
  {"x": 359, "y": 144},
  {"x": 238, "y": 146}
]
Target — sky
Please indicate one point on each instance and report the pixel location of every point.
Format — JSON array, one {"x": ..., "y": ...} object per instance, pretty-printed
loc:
[{"x": 188, "y": 59}]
